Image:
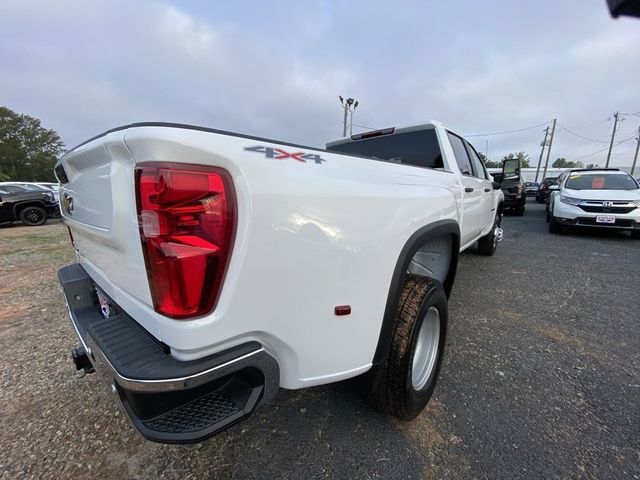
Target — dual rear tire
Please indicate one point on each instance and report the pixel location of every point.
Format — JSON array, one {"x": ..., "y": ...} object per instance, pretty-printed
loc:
[{"x": 405, "y": 381}]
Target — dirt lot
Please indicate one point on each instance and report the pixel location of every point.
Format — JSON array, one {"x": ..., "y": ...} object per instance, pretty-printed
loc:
[{"x": 541, "y": 380}]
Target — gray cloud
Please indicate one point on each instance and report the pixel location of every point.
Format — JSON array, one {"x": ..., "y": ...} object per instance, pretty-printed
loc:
[{"x": 276, "y": 70}]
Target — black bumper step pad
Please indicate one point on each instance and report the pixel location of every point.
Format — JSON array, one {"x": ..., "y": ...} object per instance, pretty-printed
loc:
[
  {"x": 168, "y": 400},
  {"x": 197, "y": 415}
]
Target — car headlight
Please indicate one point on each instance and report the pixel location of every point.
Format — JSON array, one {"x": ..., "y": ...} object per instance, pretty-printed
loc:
[
  {"x": 570, "y": 200},
  {"x": 637, "y": 202},
  {"x": 49, "y": 198}
]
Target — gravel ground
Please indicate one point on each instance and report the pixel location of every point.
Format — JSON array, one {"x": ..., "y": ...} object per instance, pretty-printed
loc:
[{"x": 541, "y": 379}]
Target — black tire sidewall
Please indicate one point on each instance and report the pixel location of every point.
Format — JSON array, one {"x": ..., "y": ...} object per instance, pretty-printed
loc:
[
  {"x": 486, "y": 244},
  {"x": 42, "y": 212},
  {"x": 415, "y": 400}
]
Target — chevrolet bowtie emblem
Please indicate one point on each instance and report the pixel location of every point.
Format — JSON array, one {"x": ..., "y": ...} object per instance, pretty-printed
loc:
[{"x": 67, "y": 203}]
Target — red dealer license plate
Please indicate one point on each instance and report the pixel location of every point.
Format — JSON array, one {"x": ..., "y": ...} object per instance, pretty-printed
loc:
[{"x": 606, "y": 219}]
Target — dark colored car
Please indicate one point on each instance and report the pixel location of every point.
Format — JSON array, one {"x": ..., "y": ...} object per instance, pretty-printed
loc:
[
  {"x": 512, "y": 186},
  {"x": 531, "y": 188},
  {"x": 543, "y": 192},
  {"x": 30, "y": 207}
]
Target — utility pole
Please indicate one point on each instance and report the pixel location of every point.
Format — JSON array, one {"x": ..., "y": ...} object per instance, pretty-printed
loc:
[
  {"x": 546, "y": 164},
  {"x": 543, "y": 144},
  {"x": 347, "y": 104},
  {"x": 635, "y": 157},
  {"x": 613, "y": 134}
]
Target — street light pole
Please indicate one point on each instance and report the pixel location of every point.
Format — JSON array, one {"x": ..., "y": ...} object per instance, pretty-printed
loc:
[
  {"x": 347, "y": 104},
  {"x": 355, "y": 105}
]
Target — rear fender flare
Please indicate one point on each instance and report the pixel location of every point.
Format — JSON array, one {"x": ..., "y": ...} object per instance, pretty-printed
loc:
[
  {"x": 416, "y": 241},
  {"x": 27, "y": 203}
]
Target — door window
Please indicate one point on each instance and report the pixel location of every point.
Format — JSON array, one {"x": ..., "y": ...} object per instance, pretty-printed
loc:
[
  {"x": 460, "y": 152},
  {"x": 476, "y": 161}
]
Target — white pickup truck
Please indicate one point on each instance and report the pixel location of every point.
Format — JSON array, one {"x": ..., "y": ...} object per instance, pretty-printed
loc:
[{"x": 214, "y": 268}]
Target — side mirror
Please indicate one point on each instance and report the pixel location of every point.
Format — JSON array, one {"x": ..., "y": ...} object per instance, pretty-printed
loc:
[
  {"x": 496, "y": 185},
  {"x": 511, "y": 168},
  {"x": 554, "y": 188}
]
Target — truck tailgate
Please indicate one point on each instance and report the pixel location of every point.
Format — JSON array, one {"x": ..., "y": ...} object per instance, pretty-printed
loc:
[{"x": 99, "y": 205}]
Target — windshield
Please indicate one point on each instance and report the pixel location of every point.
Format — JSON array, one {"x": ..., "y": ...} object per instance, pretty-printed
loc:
[
  {"x": 419, "y": 148},
  {"x": 600, "y": 181}
]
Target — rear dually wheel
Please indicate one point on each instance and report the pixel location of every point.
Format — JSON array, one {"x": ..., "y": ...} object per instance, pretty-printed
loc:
[{"x": 406, "y": 380}]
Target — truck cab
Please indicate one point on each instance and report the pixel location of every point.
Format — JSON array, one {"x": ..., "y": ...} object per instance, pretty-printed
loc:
[{"x": 435, "y": 146}]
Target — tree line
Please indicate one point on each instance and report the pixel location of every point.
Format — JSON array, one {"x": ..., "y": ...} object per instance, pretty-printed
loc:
[
  {"x": 28, "y": 151},
  {"x": 559, "y": 162}
]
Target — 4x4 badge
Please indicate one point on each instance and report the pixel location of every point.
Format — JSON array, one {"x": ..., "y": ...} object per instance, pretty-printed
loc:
[{"x": 280, "y": 154}]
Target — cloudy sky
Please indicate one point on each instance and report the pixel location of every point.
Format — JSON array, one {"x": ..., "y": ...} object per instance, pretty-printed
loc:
[{"x": 275, "y": 69}]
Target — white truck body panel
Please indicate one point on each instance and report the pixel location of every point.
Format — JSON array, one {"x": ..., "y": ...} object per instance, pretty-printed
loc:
[{"x": 310, "y": 236}]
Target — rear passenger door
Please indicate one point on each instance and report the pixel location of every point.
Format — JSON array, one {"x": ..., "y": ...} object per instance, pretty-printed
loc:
[
  {"x": 480, "y": 172},
  {"x": 472, "y": 192}
]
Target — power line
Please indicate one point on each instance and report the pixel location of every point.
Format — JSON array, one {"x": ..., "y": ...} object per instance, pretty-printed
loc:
[
  {"x": 364, "y": 126},
  {"x": 604, "y": 149},
  {"x": 577, "y": 135},
  {"x": 505, "y": 133},
  {"x": 608, "y": 119}
]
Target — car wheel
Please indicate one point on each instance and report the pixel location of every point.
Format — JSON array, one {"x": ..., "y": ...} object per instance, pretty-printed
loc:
[
  {"x": 407, "y": 379},
  {"x": 547, "y": 217},
  {"x": 488, "y": 244},
  {"x": 33, "y": 216}
]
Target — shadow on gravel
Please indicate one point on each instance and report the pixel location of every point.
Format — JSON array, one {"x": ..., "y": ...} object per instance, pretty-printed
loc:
[{"x": 319, "y": 432}]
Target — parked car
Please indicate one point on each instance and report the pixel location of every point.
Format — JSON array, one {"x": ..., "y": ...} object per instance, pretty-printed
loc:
[
  {"x": 31, "y": 207},
  {"x": 513, "y": 187},
  {"x": 49, "y": 187},
  {"x": 543, "y": 192},
  {"x": 228, "y": 266},
  {"x": 531, "y": 188},
  {"x": 603, "y": 198}
]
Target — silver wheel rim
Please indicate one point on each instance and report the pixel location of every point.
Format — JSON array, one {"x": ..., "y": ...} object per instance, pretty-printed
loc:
[{"x": 424, "y": 358}]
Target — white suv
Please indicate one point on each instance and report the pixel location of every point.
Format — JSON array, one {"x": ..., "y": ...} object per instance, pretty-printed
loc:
[{"x": 605, "y": 198}]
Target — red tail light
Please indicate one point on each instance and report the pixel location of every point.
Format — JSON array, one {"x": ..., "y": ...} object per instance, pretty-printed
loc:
[
  {"x": 520, "y": 188},
  {"x": 187, "y": 217}
]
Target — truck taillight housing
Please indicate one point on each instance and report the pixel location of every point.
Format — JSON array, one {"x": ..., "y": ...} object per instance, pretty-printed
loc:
[{"x": 187, "y": 218}]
